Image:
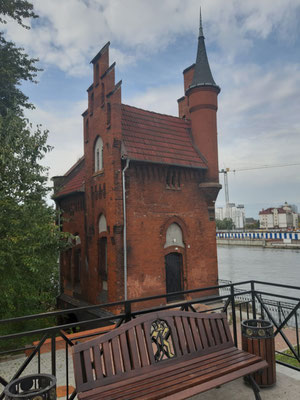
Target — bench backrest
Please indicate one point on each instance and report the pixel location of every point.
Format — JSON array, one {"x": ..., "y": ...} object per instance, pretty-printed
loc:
[{"x": 138, "y": 346}]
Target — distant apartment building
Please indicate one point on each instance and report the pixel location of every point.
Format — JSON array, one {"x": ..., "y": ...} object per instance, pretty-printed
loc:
[
  {"x": 236, "y": 213},
  {"x": 282, "y": 217}
]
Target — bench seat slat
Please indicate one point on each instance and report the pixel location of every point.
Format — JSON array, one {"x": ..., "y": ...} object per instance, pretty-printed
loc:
[
  {"x": 179, "y": 379},
  {"x": 181, "y": 372}
]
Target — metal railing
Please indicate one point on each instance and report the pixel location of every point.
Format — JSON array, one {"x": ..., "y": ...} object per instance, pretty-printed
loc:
[{"x": 242, "y": 300}]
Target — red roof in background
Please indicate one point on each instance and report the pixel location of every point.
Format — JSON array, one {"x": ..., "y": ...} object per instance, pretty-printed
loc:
[
  {"x": 158, "y": 138},
  {"x": 270, "y": 211},
  {"x": 76, "y": 181}
]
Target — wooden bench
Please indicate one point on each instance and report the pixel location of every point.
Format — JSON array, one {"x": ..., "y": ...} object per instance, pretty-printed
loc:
[{"x": 166, "y": 354}]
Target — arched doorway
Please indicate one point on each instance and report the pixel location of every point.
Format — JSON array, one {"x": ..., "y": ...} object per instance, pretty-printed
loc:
[{"x": 173, "y": 264}]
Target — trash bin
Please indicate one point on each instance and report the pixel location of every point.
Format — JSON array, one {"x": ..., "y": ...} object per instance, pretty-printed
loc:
[
  {"x": 32, "y": 387},
  {"x": 258, "y": 339}
]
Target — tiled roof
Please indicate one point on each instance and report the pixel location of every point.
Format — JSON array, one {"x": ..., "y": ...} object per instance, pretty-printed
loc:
[
  {"x": 280, "y": 210},
  {"x": 74, "y": 180},
  {"x": 158, "y": 138}
]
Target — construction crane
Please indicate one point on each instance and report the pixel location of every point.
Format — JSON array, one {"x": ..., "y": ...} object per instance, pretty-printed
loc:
[{"x": 226, "y": 170}]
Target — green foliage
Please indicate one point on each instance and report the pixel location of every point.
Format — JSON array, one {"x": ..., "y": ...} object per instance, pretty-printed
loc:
[
  {"x": 225, "y": 224},
  {"x": 289, "y": 358},
  {"x": 29, "y": 239}
]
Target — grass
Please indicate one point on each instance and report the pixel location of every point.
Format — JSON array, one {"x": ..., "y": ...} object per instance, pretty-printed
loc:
[{"x": 288, "y": 358}]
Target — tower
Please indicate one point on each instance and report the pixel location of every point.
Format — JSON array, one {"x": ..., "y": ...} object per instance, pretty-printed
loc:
[{"x": 200, "y": 105}]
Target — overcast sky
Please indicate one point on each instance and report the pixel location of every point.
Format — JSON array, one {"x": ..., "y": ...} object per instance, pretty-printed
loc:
[{"x": 253, "y": 48}]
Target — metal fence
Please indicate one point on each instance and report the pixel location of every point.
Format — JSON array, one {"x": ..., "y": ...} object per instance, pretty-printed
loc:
[{"x": 242, "y": 300}]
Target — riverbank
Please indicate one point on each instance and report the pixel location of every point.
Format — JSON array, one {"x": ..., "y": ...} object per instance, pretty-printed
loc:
[{"x": 258, "y": 243}]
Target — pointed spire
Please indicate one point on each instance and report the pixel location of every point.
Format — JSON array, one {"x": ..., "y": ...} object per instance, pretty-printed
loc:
[
  {"x": 202, "y": 74},
  {"x": 200, "y": 26}
]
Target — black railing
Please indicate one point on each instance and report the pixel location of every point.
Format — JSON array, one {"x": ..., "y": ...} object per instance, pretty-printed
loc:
[{"x": 242, "y": 300}]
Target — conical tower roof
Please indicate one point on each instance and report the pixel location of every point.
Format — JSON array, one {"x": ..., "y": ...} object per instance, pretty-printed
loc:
[{"x": 202, "y": 74}]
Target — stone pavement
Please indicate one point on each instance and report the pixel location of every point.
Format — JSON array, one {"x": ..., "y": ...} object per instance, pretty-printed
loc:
[{"x": 286, "y": 388}]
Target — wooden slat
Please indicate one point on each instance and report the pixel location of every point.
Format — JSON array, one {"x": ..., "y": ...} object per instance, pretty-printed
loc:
[
  {"x": 108, "y": 362},
  {"x": 215, "y": 331},
  {"x": 227, "y": 330},
  {"x": 162, "y": 375},
  {"x": 133, "y": 348},
  {"x": 116, "y": 355},
  {"x": 97, "y": 362},
  {"x": 88, "y": 365},
  {"x": 179, "y": 379},
  {"x": 221, "y": 330},
  {"x": 125, "y": 352},
  {"x": 77, "y": 369},
  {"x": 188, "y": 335},
  {"x": 147, "y": 330},
  {"x": 142, "y": 346},
  {"x": 202, "y": 332},
  {"x": 196, "y": 334},
  {"x": 174, "y": 334},
  {"x": 209, "y": 334},
  {"x": 181, "y": 336}
]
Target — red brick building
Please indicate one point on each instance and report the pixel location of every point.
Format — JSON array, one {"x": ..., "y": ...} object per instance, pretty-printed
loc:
[{"x": 160, "y": 236}]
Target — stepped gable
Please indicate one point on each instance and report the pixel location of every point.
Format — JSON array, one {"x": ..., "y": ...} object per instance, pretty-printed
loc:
[
  {"x": 158, "y": 138},
  {"x": 74, "y": 180}
]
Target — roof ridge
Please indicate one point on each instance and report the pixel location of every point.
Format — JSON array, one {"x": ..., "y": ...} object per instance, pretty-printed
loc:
[
  {"x": 74, "y": 166},
  {"x": 154, "y": 112}
]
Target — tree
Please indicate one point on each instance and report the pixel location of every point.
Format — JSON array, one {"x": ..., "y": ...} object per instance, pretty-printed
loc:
[
  {"x": 29, "y": 239},
  {"x": 224, "y": 224}
]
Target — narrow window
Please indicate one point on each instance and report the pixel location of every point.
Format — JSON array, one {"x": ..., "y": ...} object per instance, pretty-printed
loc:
[{"x": 98, "y": 154}]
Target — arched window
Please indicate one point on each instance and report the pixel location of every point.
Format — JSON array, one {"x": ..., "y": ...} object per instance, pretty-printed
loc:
[
  {"x": 102, "y": 224},
  {"x": 98, "y": 154},
  {"x": 174, "y": 236}
]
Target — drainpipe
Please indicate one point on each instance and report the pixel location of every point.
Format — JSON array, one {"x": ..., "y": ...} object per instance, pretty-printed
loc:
[{"x": 124, "y": 229}]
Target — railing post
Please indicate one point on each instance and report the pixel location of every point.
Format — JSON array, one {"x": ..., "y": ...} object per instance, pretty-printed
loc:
[
  {"x": 53, "y": 354},
  {"x": 127, "y": 311},
  {"x": 233, "y": 314},
  {"x": 253, "y": 300}
]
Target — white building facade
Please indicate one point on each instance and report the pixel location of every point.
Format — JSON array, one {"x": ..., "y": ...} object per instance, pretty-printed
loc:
[
  {"x": 236, "y": 213},
  {"x": 279, "y": 217}
]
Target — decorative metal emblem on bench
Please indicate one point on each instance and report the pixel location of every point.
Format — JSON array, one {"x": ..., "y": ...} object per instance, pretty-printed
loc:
[{"x": 161, "y": 336}]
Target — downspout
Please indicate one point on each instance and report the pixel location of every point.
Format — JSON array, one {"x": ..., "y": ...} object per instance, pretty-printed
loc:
[{"x": 124, "y": 229}]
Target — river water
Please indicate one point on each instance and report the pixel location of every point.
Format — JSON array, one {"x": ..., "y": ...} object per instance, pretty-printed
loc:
[{"x": 239, "y": 263}]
